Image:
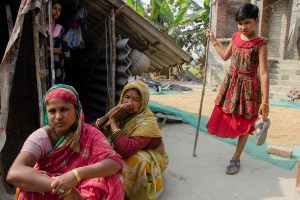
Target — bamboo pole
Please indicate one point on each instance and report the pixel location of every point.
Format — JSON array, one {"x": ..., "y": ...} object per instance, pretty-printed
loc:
[
  {"x": 204, "y": 83},
  {"x": 10, "y": 23},
  {"x": 51, "y": 43},
  {"x": 36, "y": 42},
  {"x": 113, "y": 58}
]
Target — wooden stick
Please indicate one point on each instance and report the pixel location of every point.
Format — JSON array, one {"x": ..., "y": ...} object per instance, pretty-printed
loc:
[
  {"x": 10, "y": 23},
  {"x": 37, "y": 63},
  {"x": 51, "y": 43},
  {"x": 113, "y": 58},
  {"x": 204, "y": 84}
]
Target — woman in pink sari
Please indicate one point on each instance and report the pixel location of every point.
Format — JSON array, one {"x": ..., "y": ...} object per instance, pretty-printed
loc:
[{"x": 67, "y": 158}]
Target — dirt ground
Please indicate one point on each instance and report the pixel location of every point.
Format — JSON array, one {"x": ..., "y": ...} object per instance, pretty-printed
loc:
[{"x": 285, "y": 124}]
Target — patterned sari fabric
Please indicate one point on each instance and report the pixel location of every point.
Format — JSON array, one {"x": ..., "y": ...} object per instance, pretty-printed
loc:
[
  {"x": 83, "y": 145},
  {"x": 59, "y": 41},
  {"x": 142, "y": 171}
]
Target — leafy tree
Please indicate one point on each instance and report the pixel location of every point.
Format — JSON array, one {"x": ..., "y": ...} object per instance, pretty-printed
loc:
[{"x": 183, "y": 20}]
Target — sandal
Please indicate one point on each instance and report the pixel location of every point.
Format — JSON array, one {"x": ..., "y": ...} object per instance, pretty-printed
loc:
[
  {"x": 233, "y": 164},
  {"x": 261, "y": 136}
]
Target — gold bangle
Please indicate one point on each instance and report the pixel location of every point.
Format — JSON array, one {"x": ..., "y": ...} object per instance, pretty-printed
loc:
[
  {"x": 215, "y": 43},
  {"x": 66, "y": 193},
  {"x": 77, "y": 175},
  {"x": 265, "y": 103}
]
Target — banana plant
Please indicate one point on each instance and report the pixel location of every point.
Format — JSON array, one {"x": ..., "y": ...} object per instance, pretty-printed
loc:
[{"x": 183, "y": 20}]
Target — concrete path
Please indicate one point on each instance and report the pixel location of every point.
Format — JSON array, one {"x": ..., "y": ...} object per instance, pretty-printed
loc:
[{"x": 203, "y": 177}]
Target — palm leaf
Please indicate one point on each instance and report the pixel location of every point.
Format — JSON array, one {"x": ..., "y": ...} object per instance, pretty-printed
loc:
[
  {"x": 182, "y": 12},
  {"x": 193, "y": 16}
]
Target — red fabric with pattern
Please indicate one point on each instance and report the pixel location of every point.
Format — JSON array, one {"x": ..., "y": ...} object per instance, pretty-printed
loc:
[
  {"x": 127, "y": 146},
  {"x": 239, "y": 97},
  {"x": 93, "y": 149},
  {"x": 62, "y": 93}
]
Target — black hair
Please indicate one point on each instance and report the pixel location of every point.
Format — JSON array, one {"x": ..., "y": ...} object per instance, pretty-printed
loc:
[
  {"x": 57, "y": 1},
  {"x": 247, "y": 10}
]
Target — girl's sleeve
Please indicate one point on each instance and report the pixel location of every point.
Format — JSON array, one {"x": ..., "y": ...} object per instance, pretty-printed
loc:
[
  {"x": 233, "y": 36},
  {"x": 260, "y": 43}
]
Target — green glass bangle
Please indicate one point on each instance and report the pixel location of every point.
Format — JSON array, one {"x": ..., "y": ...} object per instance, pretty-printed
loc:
[{"x": 115, "y": 134}]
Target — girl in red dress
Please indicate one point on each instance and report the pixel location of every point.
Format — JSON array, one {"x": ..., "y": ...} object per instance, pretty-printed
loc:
[{"x": 242, "y": 95}]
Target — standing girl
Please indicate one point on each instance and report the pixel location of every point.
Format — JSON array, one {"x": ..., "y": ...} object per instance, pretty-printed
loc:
[
  {"x": 242, "y": 95},
  {"x": 60, "y": 46}
]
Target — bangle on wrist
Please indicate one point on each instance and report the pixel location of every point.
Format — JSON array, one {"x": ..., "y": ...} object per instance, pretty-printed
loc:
[
  {"x": 115, "y": 133},
  {"x": 265, "y": 103},
  {"x": 76, "y": 173},
  {"x": 68, "y": 192},
  {"x": 215, "y": 43}
]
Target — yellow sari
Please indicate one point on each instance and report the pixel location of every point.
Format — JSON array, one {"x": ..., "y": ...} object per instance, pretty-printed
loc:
[{"x": 142, "y": 172}]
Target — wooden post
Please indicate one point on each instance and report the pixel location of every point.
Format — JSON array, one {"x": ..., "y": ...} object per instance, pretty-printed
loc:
[
  {"x": 37, "y": 63},
  {"x": 10, "y": 24},
  {"x": 113, "y": 59},
  {"x": 51, "y": 43}
]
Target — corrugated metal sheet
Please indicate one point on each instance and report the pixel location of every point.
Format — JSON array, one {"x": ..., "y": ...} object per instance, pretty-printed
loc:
[{"x": 141, "y": 34}]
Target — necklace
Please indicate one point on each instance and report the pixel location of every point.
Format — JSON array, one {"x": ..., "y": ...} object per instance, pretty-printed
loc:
[{"x": 56, "y": 135}]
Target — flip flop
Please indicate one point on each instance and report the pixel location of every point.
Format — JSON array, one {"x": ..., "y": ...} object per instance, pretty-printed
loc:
[
  {"x": 262, "y": 135},
  {"x": 233, "y": 164}
]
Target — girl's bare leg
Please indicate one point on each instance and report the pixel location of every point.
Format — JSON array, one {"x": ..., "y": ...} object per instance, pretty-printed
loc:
[
  {"x": 238, "y": 151},
  {"x": 240, "y": 146}
]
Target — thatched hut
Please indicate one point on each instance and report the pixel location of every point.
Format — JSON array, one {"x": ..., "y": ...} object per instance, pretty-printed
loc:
[{"x": 98, "y": 71}]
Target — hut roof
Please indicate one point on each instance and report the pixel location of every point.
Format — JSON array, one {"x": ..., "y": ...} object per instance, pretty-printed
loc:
[{"x": 162, "y": 51}]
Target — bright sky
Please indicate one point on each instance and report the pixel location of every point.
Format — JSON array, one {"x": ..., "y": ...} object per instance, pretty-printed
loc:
[{"x": 200, "y": 2}]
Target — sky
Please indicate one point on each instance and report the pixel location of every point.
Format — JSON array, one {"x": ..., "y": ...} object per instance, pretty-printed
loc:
[{"x": 200, "y": 2}]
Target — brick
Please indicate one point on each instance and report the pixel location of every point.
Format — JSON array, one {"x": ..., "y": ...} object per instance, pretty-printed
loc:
[{"x": 280, "y": 151}]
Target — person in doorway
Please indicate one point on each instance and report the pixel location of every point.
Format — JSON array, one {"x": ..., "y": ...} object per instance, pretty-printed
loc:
[
  {"x": 133, "y": 131},
  {"x": 242, "y": 96},
  {"x": 66, "y": 158},
  {"x": 60, "y": 46}
]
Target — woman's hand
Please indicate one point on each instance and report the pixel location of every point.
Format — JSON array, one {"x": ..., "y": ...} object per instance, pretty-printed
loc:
[
  {"x": 264, "y": 110},
  {"x": 121, "y": 112},
  {"x": 64, "y": 183},
  {"x": 111, "y": 111}
]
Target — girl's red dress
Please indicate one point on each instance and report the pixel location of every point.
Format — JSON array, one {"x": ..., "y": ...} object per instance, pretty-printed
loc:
[{"x": 237, "y": 103}]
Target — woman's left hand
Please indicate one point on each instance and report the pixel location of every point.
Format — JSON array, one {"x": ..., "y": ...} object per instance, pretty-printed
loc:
[{"x": 64, "y": 183}]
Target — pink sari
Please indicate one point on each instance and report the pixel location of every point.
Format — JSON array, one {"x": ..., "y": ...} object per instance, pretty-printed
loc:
[{"x": 93, "y": 148}]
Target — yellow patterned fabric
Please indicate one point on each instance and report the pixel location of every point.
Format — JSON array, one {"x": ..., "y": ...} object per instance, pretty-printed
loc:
[
  {"x": 142, "y": 123},
  {"x": 142, "y": 171}
]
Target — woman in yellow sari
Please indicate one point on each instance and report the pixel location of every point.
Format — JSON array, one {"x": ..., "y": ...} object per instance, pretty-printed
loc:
[{"x": 133, "y": 131}]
